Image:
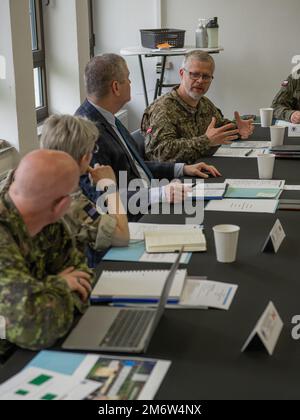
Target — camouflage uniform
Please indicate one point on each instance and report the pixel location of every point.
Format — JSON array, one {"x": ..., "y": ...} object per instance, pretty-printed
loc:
[
  {"x": 287, "y": 100},
  {"x": 175, "y": 131},
  {"x": 37, "y": 304},
  {"x": 87, "y": 226}
]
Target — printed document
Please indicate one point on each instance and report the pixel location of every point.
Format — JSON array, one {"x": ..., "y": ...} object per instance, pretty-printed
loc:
[
  {"x": 255, "y": 183},
  {"x": 53, "y": 375},
  {"x": 137, "y": 230},
  {"x": 243, "y": 205},
  {"x": 208, "y": 293}
]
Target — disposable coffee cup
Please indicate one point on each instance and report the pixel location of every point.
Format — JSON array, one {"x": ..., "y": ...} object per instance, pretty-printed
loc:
[
  {"x": 265, "y": 163},
  {"x": 277, "y": 135},
  {"x": 226, "y": 241},
  {"x": 266, "y": 116}
]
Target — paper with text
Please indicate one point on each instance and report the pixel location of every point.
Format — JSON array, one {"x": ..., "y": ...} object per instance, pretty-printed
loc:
[
  {"x": 243, "y": 205},
  {"x": 208, "y": 293},
  {"x": 137, "y": 230},
  {"x": 251, "y": 144},
  {"x": 255, "y": 183}
]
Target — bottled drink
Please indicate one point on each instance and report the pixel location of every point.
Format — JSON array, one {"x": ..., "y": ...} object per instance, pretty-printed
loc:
[
  {"x": 201, "y": 35},
  {"x": 213, "y": 33}
]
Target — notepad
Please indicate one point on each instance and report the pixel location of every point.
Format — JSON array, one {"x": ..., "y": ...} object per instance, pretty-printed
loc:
[
  {"x": 136, "y": 286},
  {"x": 191, "y": 241}
]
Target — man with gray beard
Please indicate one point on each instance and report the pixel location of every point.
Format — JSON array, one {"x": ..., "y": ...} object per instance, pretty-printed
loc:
[{"x": 183, "y": 125}]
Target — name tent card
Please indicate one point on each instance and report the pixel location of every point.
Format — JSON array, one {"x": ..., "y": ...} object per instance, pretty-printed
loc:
[
  {"x": 275, "y": 238},
  {"x": 294, "y": 130},
  {"x": 266, "y": 330}
]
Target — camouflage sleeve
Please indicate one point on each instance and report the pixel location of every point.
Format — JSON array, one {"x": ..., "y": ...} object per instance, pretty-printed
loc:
[
  {"x": 165, "y": 143},
  {"x": 37, "y": 313},
  {"x": 87, "y": 226},
  {"x": 73, "y": 258},
  {"x": 284, "y": 101}
]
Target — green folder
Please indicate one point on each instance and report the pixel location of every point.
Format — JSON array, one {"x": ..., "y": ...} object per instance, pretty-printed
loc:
[{"x": 234, "y": 192}]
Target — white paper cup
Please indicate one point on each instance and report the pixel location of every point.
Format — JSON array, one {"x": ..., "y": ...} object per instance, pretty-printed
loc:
[
  {"x": 226, "y": 240},
  {"x": 277, "y": 135},
  {"x": 265, "y": 163},
  {"x": 266, "y": 116}
]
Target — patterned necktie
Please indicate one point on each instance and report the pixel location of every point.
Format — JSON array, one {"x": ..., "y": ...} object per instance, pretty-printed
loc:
[{"x": 135, "y": 155}]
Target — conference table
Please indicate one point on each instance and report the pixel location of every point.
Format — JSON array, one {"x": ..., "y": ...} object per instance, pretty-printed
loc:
[{"x": 205, "y": 345}]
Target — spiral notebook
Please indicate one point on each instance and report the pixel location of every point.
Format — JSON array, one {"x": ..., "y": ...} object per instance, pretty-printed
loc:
[{"x": 136, "y": 286}]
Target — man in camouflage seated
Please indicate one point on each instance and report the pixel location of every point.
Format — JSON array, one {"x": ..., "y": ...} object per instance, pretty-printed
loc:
[
  {"x": 44, "y": 279},
  {"x": 183, "y": 125},
  {"x": 286, "y": 103}
]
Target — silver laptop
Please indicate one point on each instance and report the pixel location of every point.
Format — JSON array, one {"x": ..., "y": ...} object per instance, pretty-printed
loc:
[{"x": 126, "y": 330}]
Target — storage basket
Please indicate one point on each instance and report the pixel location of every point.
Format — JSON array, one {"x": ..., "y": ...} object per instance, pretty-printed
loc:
[{"x": 152, "y": 37}]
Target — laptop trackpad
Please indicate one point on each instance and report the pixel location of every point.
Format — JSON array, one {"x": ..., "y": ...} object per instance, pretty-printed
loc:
[{"x": 91, "y": 329}]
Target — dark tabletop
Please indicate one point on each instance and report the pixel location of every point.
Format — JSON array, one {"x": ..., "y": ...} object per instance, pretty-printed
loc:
[{"x": 204, "y": 345}]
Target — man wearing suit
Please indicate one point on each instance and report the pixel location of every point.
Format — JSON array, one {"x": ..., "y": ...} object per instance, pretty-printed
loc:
[{"x": 108, "y": 90}]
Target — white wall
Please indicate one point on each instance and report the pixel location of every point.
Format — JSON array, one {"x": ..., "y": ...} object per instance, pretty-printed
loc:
[
  {"x": 259, "y": 37},
  {"x": 67, "y": 52},
  {"x": 117, "y": 24},
  {"x": 17, "y": 113}
]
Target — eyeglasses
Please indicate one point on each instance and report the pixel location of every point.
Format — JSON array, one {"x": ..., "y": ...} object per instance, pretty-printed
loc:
[{"x": 197, "y": 76}]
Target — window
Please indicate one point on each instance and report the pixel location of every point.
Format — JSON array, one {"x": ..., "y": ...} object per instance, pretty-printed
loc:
[
  {"x": 91, "y": 27},
  {"x": 38, "y": 51}
]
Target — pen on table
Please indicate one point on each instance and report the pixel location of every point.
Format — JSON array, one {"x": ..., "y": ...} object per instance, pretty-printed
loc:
[
  {"x": 225, "y": 189},
  {"x": 249, "y": 152}
]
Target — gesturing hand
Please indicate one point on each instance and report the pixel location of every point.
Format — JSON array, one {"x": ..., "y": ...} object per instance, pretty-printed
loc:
[
  {"x": 221, "y": 135},
  {"x": 245, "y": 127}
]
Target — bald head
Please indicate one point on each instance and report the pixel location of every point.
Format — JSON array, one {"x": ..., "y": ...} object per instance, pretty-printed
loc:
[{"x": 42, "y": 178}]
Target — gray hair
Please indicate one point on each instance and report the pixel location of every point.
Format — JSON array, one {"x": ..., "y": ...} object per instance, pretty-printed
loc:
[
  {"x": 74, "y": 135},
  {"x": 101, "y": 71},
  {"x": 197, "y": 55}
]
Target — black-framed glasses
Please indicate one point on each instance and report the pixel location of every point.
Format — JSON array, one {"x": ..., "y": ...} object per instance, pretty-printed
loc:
[{"x": 196, "y": 76}]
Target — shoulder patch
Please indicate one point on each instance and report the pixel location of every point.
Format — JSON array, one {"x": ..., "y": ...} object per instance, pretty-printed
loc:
[{"x": 285, "y": 83}]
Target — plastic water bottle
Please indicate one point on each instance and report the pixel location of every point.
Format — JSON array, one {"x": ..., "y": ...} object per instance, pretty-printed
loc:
[
  {"x": 201, "y": 35},
  {"x": 213, "y": 33}
]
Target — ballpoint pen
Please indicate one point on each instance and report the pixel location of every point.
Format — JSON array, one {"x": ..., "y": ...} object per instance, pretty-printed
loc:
[{"x": 249, "y": 152}]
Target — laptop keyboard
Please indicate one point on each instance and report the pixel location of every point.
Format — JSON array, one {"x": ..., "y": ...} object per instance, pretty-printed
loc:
[{"x": 127, "y": 329}]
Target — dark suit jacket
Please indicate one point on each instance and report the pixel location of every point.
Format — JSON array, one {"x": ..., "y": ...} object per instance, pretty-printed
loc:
[{"x": 111, "y": 151}]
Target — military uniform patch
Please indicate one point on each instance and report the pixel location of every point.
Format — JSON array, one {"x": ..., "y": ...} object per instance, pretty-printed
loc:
[{"x": 2, "y": 328}]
